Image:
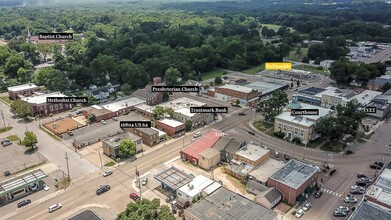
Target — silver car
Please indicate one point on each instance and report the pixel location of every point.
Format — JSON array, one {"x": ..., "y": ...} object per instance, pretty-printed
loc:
[{"x": 54, "y": 207}]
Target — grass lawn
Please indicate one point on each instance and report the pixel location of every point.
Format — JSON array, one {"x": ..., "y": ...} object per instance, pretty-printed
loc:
[
  {"x": 212, "y": 74},
  {"x": 13, "y": 138},
  {"x": 271, "y": 26},
  {"x": 109, "y": 164},
  {"x": 332, "y": 146},
  {"x": 2, "y": 130},
  {"x": 262, "y": 126},
  {"x": 311, "y": 69},
  {"x": 295, "y": 57},
  {"x": 316, "y": 143},
  {"x": 254, "y": 70},
  {"x": 7, "y": 100}
]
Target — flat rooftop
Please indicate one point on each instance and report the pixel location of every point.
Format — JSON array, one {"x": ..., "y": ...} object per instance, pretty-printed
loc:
[
  {"x": 161, "y": 133},
  {"x": 266, "y": 169},
  {"x": 252, "y": 152},
  {"x": 266, "y": 87},
  {"x": 182, "y": 102},
  {"x": 366, "y": 96},
  {"x": 116, "y": 140},
  {"x": 40, "y": 99},
  {"x": 227, "y": 205},
  {"x": 305, "y": 120},
  {"x": 171, "y": 122},
  {"x": 22, "y": 87},
  {"x": 145, "y": 107},
  {"x": 312, "y": 90},
  {"x": 237, "y": 88},
  {"x": 344, "y": 94},
  {"x": 294, "y": 173},
  {"x": 370, "y": 211},
  {"x": 173, "y": 177},
  {"x": 123, "y": 104},
  {"x": 195, "y": 186}
]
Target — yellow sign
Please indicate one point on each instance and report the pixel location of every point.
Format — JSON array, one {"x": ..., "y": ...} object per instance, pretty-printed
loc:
[{"x": 278, "y": 66}]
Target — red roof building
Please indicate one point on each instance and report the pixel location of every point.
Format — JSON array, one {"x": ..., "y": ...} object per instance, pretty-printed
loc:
[{"x": 191, "y": 152}]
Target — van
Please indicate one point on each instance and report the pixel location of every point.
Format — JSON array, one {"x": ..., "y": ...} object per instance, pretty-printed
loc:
[
  {"x": 196, "y": 135},
  {"x": 54, "y": 207}
]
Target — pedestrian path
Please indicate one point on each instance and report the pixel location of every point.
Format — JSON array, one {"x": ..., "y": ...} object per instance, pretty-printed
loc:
[{"x": 332, "y": 193}]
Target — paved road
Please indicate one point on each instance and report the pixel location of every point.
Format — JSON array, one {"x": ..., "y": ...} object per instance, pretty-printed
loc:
[
  {"x": 382, "y": 56},
  {"x": 50, "y": 148}
]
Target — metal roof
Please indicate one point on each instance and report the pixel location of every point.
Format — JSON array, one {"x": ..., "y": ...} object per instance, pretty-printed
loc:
[
  {"x": 370, "y": 211},
  {"x": 173, "y": 178},
  {"x": 22, "y": 181},
  {"x": 86, "y": 215}
]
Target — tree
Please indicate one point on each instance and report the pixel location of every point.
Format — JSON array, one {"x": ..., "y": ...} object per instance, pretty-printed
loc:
[
  {"x": 274, "y": 105},
  {"x": 218, "y": 80},
  {"x": 30, "y": 139},
  {"x": 172, "y": 76},
  {"x": 146, "y": 210},
  {"x": 158, "y": 112},
  {"x": 188, "y": 125},
  {"x": 91, "y": 118},
  {"x": 165, "y": 97},
  {"x": 21, "y": 108},
  {"x": 44, "y": 49},
  {"x": 127, "y": 148},
  {"x": 51, "y": 78},
  {"x": 169, "y": 111},
  {"x": 126, "y": 89},
  {"x": 298, "y": 51}
]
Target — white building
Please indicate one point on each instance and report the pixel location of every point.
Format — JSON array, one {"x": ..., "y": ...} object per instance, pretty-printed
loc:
[
  {"x": 326, "y": 63},
  {"x": 123, "y": 105},
  {"x": 193, "y": 189}
]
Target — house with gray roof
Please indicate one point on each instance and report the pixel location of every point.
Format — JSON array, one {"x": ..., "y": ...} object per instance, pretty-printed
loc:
[
  {"x": 269, "y": 198},
  {"x": 379, "y": 82}
]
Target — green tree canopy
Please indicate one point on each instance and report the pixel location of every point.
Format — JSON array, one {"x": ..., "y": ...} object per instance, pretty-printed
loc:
[
  {"x": 146, "y": 210},
  {"x": 51, "y": 78},
  {"x": 21, "y": 109},
  {"x": 274, "y": 105},
  {"x": 127, "y": 148},
  {"x": 30, "y": 139},
  {"x": 218, "y": 80},
  {"x": 126, "y": 89},
  {"x": 172, "y": 76},
  {"x": 188, "y": 125}
]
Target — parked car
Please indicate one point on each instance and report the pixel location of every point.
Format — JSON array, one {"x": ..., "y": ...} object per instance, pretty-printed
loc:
[
  {"x": 70, "y": 133},
  {"x": 343, "y": 208},
  {"x": 380, "y": 164},
  {"x": 375, "y": 167},
  {"x": 365, "y": 179},
  {"x": 361, "y": 183},
  {"x": 360, "y": 175},
  {"x": 299, "y": 213},
  {"x": 134, "y": 196},
  {"x": 107, "y": 173},
  {"x": 197, "y": 135},
  {"x": 103, "y": 122},
  {"x": 170, "y": 198},
  {"x": 276, "y": 154},
  {"x": 54, "y": 207},
  {"x": 356, "y": 187},
  {"x": 34, "y": 187},
  {"x": 332, "y": 172},
  {"x": 45, "y": 187},
  {"x": 286, "y": 157},
  {"x": 339, "y": 213},
  {"x": 145, "y": 181},
  {"x": 357, "y": 191},
  {"x": 318, "y": 194},
  {"x": 242, "y": 113},
  {"x": 7, "y": 173},
  {"x": 307, "y": 206},
  {"x": 5, "y": 143},
  {"x": 102, "y": 189},
  {"x": 23, "y": 203},
  {"x": 251, "y": 132},
  {"x": 350, "y": 199}
]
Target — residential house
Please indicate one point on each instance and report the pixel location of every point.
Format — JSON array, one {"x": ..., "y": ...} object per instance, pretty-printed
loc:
[{"x": 101, "y": 93}]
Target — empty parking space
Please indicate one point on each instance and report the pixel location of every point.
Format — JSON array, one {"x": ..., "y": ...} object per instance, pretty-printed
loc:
[{"x": 63, "y": 125}]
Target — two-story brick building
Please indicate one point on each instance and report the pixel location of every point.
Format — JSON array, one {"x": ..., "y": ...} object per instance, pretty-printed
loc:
[
  {"x": 20, "y": 91},
  {"x": 43, "y": 109},
  {"x": 149, "y": 136},
  {"x": 293, "y": 179},
  {"x": 245, "y": 95},
  {"x": 172, "y": 127}
]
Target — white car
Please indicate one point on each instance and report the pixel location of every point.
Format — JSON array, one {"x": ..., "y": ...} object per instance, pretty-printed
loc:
[
  {"x": 357, "y": 188},
  {"x": 54, "y": 207},
  {"x": 306, "y": 206},
  {"x": 107, "y": 173},
  {"x": 299, "y": 213},
  {"x": 103, "y": 122},
  {"x": 34, "y": 187},
  {"x": 45, "y": 187}
]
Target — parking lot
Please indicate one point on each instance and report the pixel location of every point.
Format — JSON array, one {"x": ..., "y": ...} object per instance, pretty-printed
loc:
[
  {"x": 16, "y": 158},
  {"x": 93, "y": 132}
]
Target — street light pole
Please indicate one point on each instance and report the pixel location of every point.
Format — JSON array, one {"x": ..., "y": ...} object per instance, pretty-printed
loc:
[
  {"x": 66, "y": 158},
  {"x": 2, "y": 115}
]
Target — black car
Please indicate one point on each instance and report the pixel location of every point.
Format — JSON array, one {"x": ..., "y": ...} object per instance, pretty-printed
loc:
[
  {"x": 23, "y": 203},
  {"x": 251, "y": 132},
  {"x": 375, "y": 167},
  {"x": 102, "y": 189},
  {"x": 318, "y": 194},
  {"x": 286, "y": 157},
  {"x": 242, "y": 113},
  {"x": 360, "y": 175},
  {"x": 364, "y": 179},
  {"x": 7, "y": 173},
  {"x": 339, "y": 213},
  {"x": 380, "y": 164},
  {"x": 361, "y": 183},
  {"x": 332, "y": 172}
]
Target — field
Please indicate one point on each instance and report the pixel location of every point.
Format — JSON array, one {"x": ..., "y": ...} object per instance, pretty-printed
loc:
[
  {"x": 295, "y": 57},
  {"x": 271, "y": 26},
  {"x": 254, "y": 70},
  {"x": 212, "y": 74}
]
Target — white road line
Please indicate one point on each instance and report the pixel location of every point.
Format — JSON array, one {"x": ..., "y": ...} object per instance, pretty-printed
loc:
[{"x": 172, "y": 160}]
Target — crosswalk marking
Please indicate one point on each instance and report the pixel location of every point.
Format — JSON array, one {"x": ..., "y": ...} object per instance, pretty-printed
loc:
[{"x": 331, "y": 192}]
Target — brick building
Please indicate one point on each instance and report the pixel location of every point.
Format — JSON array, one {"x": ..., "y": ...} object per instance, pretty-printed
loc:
[
  {"x": 293, "y": 179},
  {"x": 20, "y": 91},
  {"x": 172, "y": 127},
  {"x": 111, "y": 145},
  {"x": 42, "y": 108},
  {"x": 229, "y": 93},
  {"x": 149, "y": 136},
  {"x": 99, "y": 112}
]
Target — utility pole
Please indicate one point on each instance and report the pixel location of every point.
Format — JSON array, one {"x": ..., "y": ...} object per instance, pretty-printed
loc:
[
  {"x": 63, "y": 178},
  {"x": 2, "y": 115},
  {"x": 66, "y": 158},
  {"x": 138, "y": 180}
]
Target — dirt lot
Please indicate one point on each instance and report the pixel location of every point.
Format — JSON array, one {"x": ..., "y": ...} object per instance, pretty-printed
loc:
[
  {"x": 91, "y": 153},
  {"x": 63, "y": 125}
]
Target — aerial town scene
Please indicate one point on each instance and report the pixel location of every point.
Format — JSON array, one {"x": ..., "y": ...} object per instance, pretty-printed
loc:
[{"x": 195, "y": 110}]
